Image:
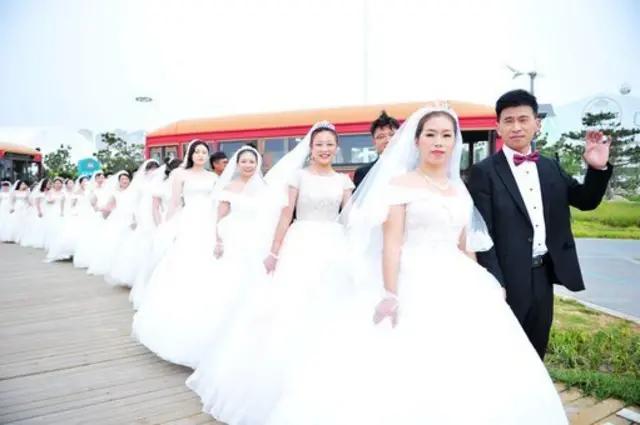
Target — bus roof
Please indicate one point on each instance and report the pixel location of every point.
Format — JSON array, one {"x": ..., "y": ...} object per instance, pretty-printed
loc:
[
  {"x": 342, "y": 115},
  {"x": 19, "y": 149}
]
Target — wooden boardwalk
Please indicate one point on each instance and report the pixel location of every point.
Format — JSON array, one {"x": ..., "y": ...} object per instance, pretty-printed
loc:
[{"x": 66, "y": 356}]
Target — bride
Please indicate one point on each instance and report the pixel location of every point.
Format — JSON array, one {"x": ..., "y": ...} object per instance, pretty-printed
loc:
[
  {"x": 240, "y": 378},
  {"x": 445, "y": 336},
  {"x": 174, "y": 321}
]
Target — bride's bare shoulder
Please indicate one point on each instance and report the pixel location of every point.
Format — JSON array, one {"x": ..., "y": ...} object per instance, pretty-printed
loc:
[{"x": 408, "y": 180}]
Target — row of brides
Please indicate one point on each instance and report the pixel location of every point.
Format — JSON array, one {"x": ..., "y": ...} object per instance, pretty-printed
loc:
[{"x": 271, "y": 287}]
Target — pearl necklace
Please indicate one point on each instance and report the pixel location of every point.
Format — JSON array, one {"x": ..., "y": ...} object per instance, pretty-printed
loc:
[{"x": 437, "y": 185}]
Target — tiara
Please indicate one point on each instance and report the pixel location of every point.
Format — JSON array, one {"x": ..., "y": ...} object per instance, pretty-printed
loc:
[
  {"x": 248, "y": 148},
  {"x": 323, "y": 125}
]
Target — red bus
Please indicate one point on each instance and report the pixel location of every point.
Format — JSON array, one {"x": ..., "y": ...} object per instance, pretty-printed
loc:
[
  {"x": 277, "y": 133},
  {"x": 19, "y": 162}
]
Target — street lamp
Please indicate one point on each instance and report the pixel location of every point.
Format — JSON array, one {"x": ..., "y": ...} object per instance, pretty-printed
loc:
[
  {"x": 144, "y": 99},
  {"x": 532, "y": 78}
]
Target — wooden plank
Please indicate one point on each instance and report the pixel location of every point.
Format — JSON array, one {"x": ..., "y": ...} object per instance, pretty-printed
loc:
[
  {"x": 67, "y": 355},
  {"x": 200, "y": 419}
]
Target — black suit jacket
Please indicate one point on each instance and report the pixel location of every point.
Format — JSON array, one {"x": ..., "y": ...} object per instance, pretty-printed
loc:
[
  {"x": 497, "y": 197},
  {"x": 361, "y": 173}
]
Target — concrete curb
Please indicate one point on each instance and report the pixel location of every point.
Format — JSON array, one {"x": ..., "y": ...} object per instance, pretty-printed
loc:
[{"x": 601, "y": 309}]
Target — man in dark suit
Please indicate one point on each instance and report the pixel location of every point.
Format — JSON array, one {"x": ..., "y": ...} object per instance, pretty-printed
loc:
[
  {"x": 382, "y": 130},
  {"x": 218, "y": 162},
  {"x": 524, "y": 199}
]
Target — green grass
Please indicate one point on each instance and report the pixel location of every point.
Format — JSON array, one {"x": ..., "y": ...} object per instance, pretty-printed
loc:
[
  {"x": 613, "y": 219},
  {"x": 598, "y": 353}
]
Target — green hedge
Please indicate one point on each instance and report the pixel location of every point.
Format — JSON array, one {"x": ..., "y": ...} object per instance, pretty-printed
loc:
[{"x": 612, "y": 219}]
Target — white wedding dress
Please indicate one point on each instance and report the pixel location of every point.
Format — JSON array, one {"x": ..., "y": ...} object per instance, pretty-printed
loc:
[
  {"x": 19, "y": 216},
  {"x": 54, "y": 217},
  {"x": 184, "y": 296},
  {"x": 112, "y": 234},
  {"x": 457, "y": 354},
  {"x": 34, "y": 227},
  {"x": 241, "y": 377},
  {"x": 63, "y": 241},
  {"x": 135, "y": 243},
  {"x": 90, "y": 227},
  {"x": 5, "y": 217},
  {"x": 162, "y": 237}
]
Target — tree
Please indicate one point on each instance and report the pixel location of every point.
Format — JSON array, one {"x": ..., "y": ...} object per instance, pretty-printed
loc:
[
  {"x": 625, "y": 150},
  {"x": 119, "y": 154},
  {"x": 565, "y": 153},
  {"x": 58, "y": 163}
]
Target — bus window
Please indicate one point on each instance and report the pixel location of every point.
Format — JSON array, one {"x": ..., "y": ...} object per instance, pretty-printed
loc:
[
  {"x": 464, "y": 159},
  {"x": 156, "y": 153},
  {"x": 274, "y": 150},
  {"x": 231, "y": 147},
  {"x": 355, "y": 149},
  {"x": 171, "y": 151},
  {"x": 480, "y": 150},
  {"x": 293, "y": 142},
  {"x": 5, "y": 169}
]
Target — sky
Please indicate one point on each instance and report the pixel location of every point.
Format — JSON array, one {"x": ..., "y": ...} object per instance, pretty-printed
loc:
[{"x": 81, "y": 63}]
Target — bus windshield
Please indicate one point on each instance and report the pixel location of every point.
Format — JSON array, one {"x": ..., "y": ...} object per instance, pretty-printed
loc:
[{"x": 19, "y": 163}]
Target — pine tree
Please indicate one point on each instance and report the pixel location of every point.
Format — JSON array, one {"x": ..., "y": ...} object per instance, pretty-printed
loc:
[{"x": 625, "y": 150}]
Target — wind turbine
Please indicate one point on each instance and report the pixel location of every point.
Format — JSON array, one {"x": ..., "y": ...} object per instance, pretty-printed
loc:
[{"x": 532, "y": 76}]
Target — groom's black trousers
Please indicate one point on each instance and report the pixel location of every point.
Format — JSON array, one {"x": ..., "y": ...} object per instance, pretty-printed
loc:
[{"x": 536, "y": 318}]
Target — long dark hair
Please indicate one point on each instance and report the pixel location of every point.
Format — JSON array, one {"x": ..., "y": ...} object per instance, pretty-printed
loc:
[
  {"x": 192, "y": 148},
  {"x": 43, "y": 185},
  {"x": 171, "y": 164}
]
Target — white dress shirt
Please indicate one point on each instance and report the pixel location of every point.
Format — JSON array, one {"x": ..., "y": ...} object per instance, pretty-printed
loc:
[{"x": 526, "y": 176}]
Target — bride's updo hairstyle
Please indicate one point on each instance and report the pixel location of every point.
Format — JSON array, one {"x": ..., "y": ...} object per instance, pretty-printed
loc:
[
  {"x": 323, "y": 126},
  {"x": 151, "y": 165},
  {"x": 245, "y": 150},
  {"x": 431, "y": 115},
  {"x": 192, "y": 148}
]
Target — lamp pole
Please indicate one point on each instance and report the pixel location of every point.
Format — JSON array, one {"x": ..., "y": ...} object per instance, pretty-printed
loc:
[
  {"x": 365, "y": 51},
  {"x": 145, "y": 100}
]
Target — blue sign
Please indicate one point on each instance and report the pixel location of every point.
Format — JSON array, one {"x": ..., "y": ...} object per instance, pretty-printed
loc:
[{"x": 88, "y": 166}]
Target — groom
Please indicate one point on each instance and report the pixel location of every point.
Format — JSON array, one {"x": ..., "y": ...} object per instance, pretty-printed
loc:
[
  {"x": 524, "y": 199},
  {"x": 382, "y": 130}
]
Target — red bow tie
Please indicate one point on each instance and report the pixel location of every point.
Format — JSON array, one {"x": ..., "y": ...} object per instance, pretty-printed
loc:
[{"x": 519, "y": 159}]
